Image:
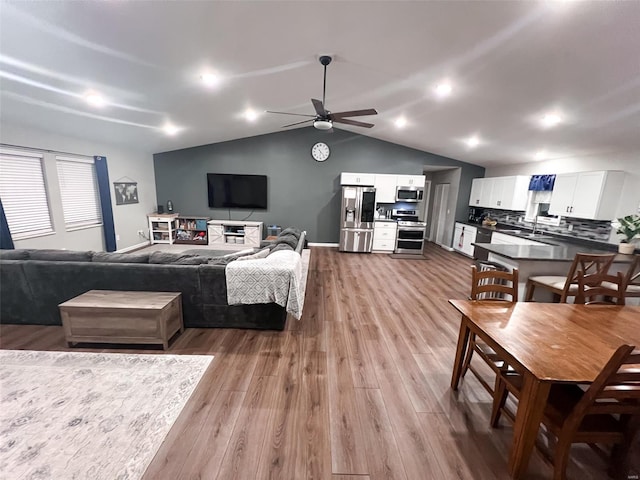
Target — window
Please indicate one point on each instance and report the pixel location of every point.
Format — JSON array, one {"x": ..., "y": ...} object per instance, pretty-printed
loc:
[
  {"x": 23, "y": 194},
  {"x": 79, "y": 192}
]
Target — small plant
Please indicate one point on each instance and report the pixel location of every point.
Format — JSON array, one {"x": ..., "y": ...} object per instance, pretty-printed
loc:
[{"x": 628, "y": 226}]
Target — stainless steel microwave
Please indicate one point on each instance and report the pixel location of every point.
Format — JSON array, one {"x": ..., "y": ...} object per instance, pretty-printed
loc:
[{"x": 409, "y": 194}]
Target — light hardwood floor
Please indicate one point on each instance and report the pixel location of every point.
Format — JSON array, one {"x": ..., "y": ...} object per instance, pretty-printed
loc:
[{"x": 358, "y": 389}]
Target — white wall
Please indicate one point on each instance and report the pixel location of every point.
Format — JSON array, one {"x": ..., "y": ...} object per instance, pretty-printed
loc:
[{"x": 122, "y": 162}]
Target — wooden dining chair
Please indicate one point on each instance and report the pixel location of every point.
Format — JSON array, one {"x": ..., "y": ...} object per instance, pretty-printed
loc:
[
  {"x": 564, "y": 287},
  {"x": 601, "y": 289},
  {"x": 632, "y": 279},
  {"x": 489, "y": 286},
  {"x": 607, "y": 412}
]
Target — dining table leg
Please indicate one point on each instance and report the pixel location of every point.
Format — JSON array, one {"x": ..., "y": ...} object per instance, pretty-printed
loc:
[
  {"x": 463, "y": 341},
  {"x": 533, "y": 400}
]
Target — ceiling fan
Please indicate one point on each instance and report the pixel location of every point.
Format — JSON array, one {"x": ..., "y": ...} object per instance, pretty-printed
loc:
[{"x": 324, "y": 119}]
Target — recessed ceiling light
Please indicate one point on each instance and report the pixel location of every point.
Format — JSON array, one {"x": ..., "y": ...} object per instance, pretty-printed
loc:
[
  {"x": 250, "y": 115},
  {"x": 400, "y": 122},
  {"x": 472, "y": 142},
  {"x": 94, "y": 99},
  {"x": 550, "y": 120},
  {"x": 541, "y": 155},
  {"x": 210, "y": 79},
  {"x": 170, "y": 129},
  {"x": 443, "y": 89}
]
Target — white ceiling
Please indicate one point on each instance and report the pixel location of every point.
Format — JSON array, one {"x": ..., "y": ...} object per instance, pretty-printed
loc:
[{"x": 509, "y": 62}]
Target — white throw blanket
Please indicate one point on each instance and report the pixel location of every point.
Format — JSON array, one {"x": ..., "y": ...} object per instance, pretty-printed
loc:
[{"x": 275, "y": 279}]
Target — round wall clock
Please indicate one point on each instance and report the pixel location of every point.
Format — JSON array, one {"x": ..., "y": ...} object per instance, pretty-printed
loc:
[{"x": 320, "y": 152}]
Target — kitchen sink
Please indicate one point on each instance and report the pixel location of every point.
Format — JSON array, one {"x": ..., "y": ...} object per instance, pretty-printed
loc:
[{"x": 510, "y": 231}]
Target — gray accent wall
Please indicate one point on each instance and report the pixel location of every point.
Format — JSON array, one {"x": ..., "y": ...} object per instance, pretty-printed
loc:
[{"x": 302, "y": 192}]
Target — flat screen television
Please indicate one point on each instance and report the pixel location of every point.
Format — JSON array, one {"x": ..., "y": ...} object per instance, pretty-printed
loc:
[{"x": 237, "y": 191}]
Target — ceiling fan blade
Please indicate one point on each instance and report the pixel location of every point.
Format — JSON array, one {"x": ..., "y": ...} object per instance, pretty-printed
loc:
[
  {"x": 355, "y": 113},
  {"x": 297, "y": 123},
  {"x": 355, "y": 123},
  {"x": 287, "y": 113},
  {"x": 318, "y": 105}
]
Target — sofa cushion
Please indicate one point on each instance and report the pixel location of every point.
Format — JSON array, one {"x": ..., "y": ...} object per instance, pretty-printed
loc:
[
  {"x": 290, "y": 239},
  {"x": 14, "y": 254},
  {"x": 255, "y": 256},
  {"x": 296, "y": 232},
  {"x": 176, "y": 258},
  {"x": 281, "y": 246},
  {"x": 60, "y": 255},
  {"x": 112, "y": 257}
]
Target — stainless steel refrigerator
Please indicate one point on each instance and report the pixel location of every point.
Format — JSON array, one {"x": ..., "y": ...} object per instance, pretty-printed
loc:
[{"x": 356, "y": 219}]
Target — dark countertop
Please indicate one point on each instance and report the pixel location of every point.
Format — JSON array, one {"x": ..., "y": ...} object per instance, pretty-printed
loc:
[
  {"x": 549, "y": 238},
  {"x": 559, "y": 253}
]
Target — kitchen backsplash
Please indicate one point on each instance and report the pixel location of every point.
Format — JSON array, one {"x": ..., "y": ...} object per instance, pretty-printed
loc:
[{"x": 577, "y": 227}]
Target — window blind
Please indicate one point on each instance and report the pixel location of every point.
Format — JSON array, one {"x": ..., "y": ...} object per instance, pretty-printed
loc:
[
  {"x": 79, "y": 192},
  {"x": 23, "y": 194}
]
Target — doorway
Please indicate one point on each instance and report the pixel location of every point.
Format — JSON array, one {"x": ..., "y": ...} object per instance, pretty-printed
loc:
[{"x": 439, "y": 215}]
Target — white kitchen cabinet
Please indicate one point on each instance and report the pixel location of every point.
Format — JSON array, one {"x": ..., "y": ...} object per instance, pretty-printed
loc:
[
  {"x": 463, "y": 237},
  {"x": 385, "y": 188},
  {"x": 384, "y": 236},
  {"x": 410, "y": 180},
  {"x": 590, "y": 195},
  {"x": 347, "y": 178},
  {"x": 477, "y": 187},
  {"x": 506, "y": 193}
]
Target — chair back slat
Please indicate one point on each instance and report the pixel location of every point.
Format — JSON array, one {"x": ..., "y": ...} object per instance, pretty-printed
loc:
[
  {"x": 614, "y": 408},
  {"x": 494, "y": 285},
  {"x": 609, "y": 393},
  {"x": 633, "y": 274},
  {"x": 587, "y": 263},
  {"x": 591, "y": 289}
]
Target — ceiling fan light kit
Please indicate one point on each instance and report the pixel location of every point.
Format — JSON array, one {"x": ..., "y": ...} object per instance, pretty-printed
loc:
[
  {"x": 323, "y": 124},
  {"x": 324, "y": 119}
]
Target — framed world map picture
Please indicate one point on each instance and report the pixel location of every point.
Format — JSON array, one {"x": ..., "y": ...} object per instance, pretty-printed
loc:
[{"x": 126, "y": 192}]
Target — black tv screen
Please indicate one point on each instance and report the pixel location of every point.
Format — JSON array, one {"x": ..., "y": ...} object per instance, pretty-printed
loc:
[{"x": 237, "y": 191}]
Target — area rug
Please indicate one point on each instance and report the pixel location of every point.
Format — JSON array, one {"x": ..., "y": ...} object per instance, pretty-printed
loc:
[{"x": 70, "y": 415}]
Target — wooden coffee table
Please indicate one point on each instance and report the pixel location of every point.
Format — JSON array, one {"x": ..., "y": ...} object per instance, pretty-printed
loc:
[{"x": 106, "y": 316}]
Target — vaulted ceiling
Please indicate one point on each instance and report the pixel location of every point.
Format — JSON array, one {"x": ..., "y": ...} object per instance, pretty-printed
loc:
[{"x": 509, "y": 64}]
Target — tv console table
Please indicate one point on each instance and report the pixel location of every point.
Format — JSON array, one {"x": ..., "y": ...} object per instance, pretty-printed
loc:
[{"x": 234, "y": 233}]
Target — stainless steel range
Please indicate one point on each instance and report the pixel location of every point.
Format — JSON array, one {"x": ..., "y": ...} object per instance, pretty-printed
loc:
[{"x": 410, "y": 238}]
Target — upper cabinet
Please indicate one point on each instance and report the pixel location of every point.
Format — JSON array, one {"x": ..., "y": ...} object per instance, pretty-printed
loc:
[
  {"x": 347, "y": 178},
  {"x": 385, "y": 188},
  {"x": 506, "y": 193},
  {"x": 477, "y": 187},
  {"x": 410, "y": 180},
  {"x": 385, "y": 184},
  {"x": 590, "y": 195}
]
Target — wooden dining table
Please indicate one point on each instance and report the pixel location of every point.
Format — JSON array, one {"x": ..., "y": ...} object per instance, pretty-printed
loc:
[{"x": 547, "y": 343}]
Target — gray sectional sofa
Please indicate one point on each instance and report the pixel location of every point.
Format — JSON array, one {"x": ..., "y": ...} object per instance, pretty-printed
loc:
[{"x": 34, "y": 282}]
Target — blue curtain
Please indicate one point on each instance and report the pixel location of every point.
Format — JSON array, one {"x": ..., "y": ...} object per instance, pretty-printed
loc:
[
  {"x": 6, "y": 242},
  {"x": 542, "y": 183},
  {"x": 102, "y": 172}
]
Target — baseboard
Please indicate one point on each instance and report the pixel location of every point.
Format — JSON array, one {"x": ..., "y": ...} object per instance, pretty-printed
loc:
[
  {"x": 320, "y": 244},
  {"x": 134, "y": 247}
]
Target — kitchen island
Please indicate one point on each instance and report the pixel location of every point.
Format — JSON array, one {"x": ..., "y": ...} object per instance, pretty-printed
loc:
[{"x": 550, "y": 259}]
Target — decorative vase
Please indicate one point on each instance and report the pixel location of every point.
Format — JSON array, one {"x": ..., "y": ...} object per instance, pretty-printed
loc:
[{"x": 626, "y": 248}]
